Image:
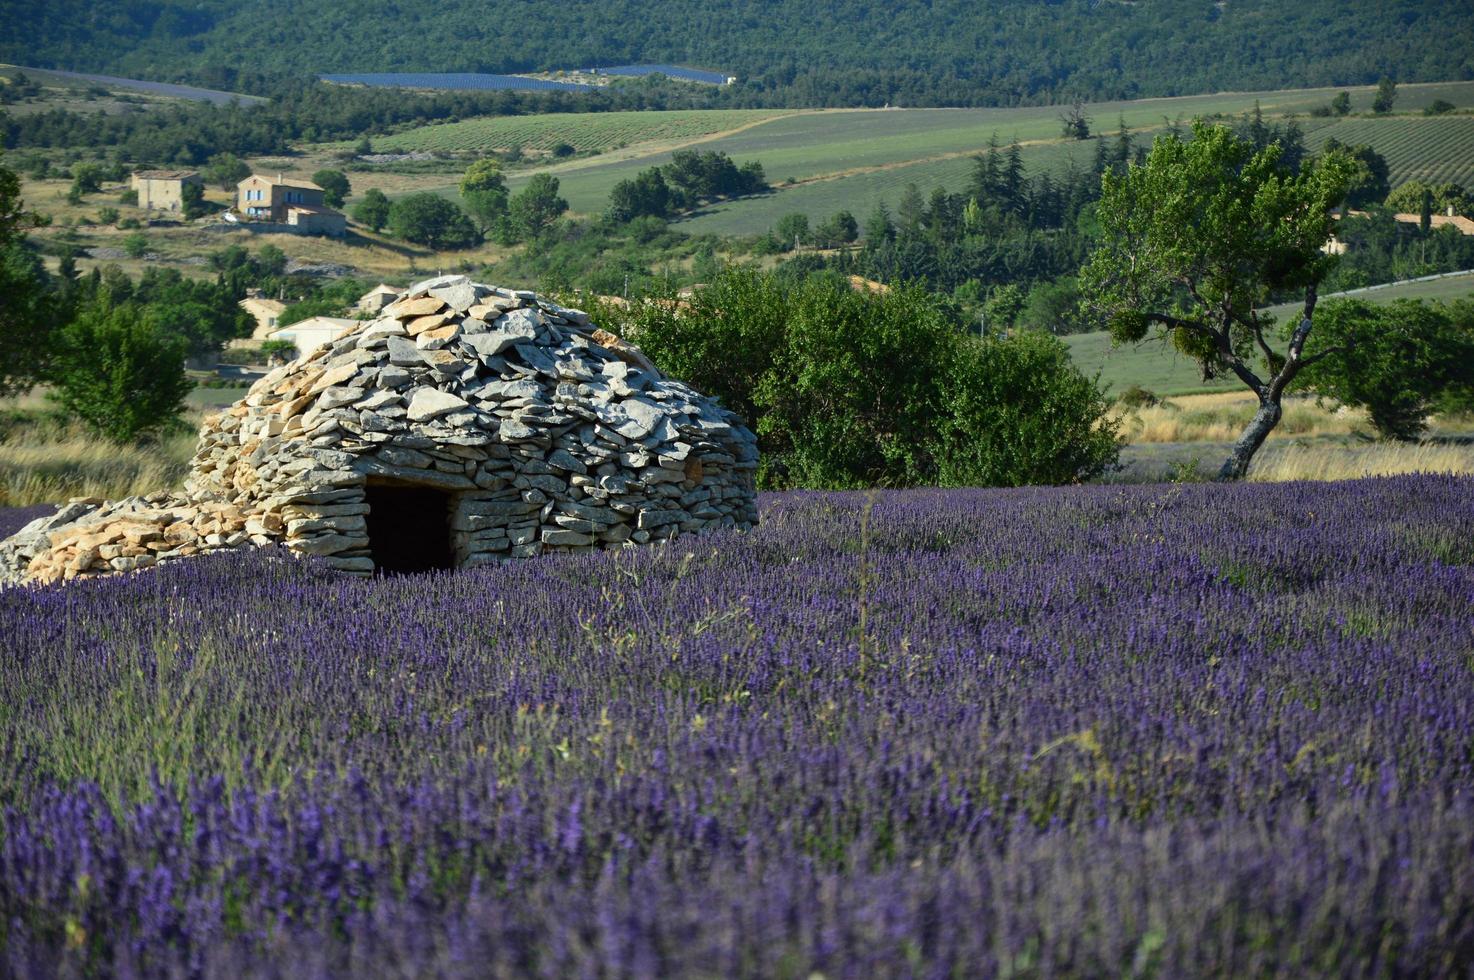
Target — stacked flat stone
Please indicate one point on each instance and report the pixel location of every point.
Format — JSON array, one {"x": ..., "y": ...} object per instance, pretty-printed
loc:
[{"x": 547, "y": 433}]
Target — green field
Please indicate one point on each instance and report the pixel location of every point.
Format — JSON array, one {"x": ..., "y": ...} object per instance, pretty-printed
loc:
[
  {"x": 1156, "y": 366},
  {"x": 852, "y": 159},
  {"x": 584, "y": 131},
  {"x": 1433, "y": 149},
  {"x": 1152, "y": 364}
]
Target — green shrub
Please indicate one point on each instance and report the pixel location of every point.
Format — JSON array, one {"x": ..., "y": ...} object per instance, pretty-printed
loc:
[
  {"x": 847, "y": 389},
  {"x": 119, "y": 373},
  {"x": 431, "y": 220},
  {"x": 135, "y": 246},
  {"x": 1396, "y": 361}
]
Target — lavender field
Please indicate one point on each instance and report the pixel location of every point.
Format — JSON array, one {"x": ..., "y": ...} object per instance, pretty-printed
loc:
[{"x": 1104, "y": 731}]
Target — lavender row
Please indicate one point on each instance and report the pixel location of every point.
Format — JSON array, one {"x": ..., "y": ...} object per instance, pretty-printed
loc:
[{"x": 1095, "y": 731}]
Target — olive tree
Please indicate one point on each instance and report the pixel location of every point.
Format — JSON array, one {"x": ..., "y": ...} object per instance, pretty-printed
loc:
[{"x": 1197, "y": 237}]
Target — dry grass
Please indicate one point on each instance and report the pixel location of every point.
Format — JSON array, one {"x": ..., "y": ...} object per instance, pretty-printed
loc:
[
  {"x": 1220, "y": 417},
  {"x": 1340, "y": 462},
  {"x": 43, "y": 461}
]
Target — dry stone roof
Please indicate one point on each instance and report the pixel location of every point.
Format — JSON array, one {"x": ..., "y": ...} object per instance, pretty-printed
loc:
[{"x": 517, "y": 425}]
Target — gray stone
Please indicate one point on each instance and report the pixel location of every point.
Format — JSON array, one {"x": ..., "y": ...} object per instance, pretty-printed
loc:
[
  {"x": 564, "y": 538},
  {"x": 562, "y": 459},
  {"x": 344, "y": 563},
  {"x": 459, "y": 296},
  {"x": 599, "y": 515},
  {"x": 404, "y": 353},
  {"x": 338, "y": 397},
  {"x": 515, "y": 430},
  {"x": 434, "y": 478},
  {"x": 340, "y": 525},
  {"x": 521, "y": 320},
  {"x": 657, "y": 518},
  {"x": 328, "y": 544}
]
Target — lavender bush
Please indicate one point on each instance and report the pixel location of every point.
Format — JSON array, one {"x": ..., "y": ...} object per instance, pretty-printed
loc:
[{"x": 1106, "y": 731}]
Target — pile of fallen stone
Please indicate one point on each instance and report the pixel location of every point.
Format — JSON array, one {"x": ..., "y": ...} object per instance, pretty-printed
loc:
[
  {"x": 91, "y": 536},
  {"x": 541, "y": 432}
]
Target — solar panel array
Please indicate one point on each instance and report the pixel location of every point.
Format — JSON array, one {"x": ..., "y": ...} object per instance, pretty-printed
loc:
[
  {"x": 669, "y": 71},
  {"x": 474, "y": 81}
]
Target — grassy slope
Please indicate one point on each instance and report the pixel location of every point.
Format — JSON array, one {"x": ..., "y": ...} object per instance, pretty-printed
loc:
[
  {"x": 1157, "y": 367},
  {"x": 854, "y": 158},
  {"x": 584, "y": 131}
]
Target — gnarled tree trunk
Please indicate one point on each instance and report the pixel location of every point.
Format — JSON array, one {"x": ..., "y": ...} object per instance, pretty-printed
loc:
[{"x": 1253, "y": 436}]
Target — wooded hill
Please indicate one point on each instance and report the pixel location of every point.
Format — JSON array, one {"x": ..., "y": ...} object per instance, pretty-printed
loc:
[{"x": 792, "y": 52}]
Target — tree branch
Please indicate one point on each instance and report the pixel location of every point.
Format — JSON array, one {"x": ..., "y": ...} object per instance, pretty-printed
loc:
[
  {"x": 1178, "y": 323},
  {"x": 1305, "y": 362},
  {"x": 1293, "y": 363},
  {"x": 1302, "y": 330}
]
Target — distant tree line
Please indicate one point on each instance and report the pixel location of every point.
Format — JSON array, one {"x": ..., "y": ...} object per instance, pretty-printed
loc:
[
  {"x": 1007, "y": 243},
  {"x": 935, "y": 52},
  {"x": 296, "y": 110}
]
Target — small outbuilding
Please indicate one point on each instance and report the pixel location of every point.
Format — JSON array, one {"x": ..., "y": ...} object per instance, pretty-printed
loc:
[
  {"x": 162, "y": 190},
  {"x": 377, "y": 298},
  {"x": 466, "y": 425}
]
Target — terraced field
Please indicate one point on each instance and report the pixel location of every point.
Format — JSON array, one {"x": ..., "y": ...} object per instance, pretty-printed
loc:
[
  {"x": 585, "y": 131},
  {"x": 1428, "y": 148},
  {"x": 824, "y": 161}
]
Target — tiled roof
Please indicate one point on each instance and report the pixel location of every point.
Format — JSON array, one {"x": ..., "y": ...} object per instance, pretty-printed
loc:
[{"x": 284, "y": 182}]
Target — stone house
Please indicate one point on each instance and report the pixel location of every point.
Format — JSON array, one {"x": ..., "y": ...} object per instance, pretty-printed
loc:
[
  {"x": 266, "y": 312},
  {"x": 162, "y": 190},
  {"x": 296, "y": 204},
  {"x": 377, "y": 298},
  {"x": 466, "y": 425},
  {"x": 309, "y": 334}
]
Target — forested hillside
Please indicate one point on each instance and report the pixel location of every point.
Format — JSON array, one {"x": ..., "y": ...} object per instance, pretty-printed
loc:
[{"x": 834, "y": 52}]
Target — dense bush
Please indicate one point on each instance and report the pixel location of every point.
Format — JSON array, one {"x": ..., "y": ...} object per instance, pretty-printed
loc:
[
  {"x": 848, "y": 389},
  {"x": 1018, "y": 412},
  {"x": 1396, "y": 361},
  {"x": 120, "y": 373},
  {"x": 431, "y": 220}
]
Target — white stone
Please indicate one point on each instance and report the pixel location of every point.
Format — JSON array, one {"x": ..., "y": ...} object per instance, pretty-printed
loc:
[{"x": 427, "y": 403}]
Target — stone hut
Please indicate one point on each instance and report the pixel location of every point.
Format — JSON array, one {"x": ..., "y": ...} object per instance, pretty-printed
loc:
[{"x": 466, "y": 425}]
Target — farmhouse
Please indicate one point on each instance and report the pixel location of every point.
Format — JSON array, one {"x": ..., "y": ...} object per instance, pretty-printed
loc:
[
  {"x": 266, "y": 312},
  {"x": 296, "y": 204},
  {"x": 310, "y": 334},
  {"x": 1461, "y": 224},
  {"x": 466, "y": 425},
  {"x": 163, "y": 190}
]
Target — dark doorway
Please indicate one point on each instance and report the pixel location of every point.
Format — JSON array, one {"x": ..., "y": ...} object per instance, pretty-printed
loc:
[{"x": 408, "y": 528}]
